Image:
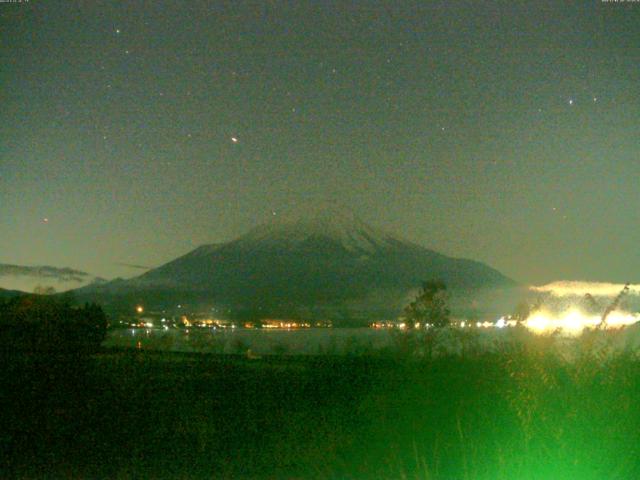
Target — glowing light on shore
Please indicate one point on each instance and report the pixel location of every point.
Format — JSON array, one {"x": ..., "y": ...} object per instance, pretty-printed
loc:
[
  {"x": 577, "y": 288},
  {"x": 617, "y": 319},
  {"x": 573, "y": 322}
]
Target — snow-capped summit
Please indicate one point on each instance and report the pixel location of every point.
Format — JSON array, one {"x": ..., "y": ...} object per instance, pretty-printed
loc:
[{"x": 317, "y": 222}]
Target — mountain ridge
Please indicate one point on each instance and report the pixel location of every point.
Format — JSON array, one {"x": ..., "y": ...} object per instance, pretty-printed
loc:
[{"x": 321, "y": 262}]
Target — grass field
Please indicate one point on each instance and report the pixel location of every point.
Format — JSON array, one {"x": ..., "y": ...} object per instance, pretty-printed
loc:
[{"x": 522, "y": 413}]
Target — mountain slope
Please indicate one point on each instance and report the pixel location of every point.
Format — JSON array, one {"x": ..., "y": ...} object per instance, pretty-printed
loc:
[{"x": 327, "y": 260}]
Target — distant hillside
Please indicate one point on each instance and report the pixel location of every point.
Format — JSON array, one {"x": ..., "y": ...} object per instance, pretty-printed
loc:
[
  {"x": 324, "y": 263},
  {"x": 4, "y": 294}
]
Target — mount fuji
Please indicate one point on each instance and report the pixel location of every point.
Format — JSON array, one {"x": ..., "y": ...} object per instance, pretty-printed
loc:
[{"x": 321, "y": 262}]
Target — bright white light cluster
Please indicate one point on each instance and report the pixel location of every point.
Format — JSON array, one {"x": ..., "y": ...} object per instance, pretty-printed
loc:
[
  {"x": 569, "y": 319},
  {"x": 573, "y": 322}
]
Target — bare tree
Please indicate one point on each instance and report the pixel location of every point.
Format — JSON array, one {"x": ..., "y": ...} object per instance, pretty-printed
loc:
[{"x": 612, "y": 306}]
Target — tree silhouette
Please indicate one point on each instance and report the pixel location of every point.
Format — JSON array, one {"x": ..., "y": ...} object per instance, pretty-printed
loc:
[
  {"x": 615, "y": 303},
  {"x": 429, "y": 306}
]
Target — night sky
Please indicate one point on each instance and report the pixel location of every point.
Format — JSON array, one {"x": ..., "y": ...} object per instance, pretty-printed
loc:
[{"x": 506, "y": 132}]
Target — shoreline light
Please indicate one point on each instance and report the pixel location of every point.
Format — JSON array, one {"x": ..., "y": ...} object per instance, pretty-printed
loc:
[{"x": 573, "y": 321}]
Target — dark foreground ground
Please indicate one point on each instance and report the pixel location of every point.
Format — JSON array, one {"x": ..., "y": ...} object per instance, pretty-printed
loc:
[{"x": 513, "y": 415}]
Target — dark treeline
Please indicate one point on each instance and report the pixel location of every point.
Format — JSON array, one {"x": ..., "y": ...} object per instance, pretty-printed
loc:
[
  {"x": 34, "y": 323},
  {"x": 47, "y": 387}
]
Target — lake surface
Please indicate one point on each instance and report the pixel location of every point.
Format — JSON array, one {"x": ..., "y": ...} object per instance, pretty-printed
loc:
[
  {"x": 312, "y": 341},
  {"x": 340, "y": 341}
]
